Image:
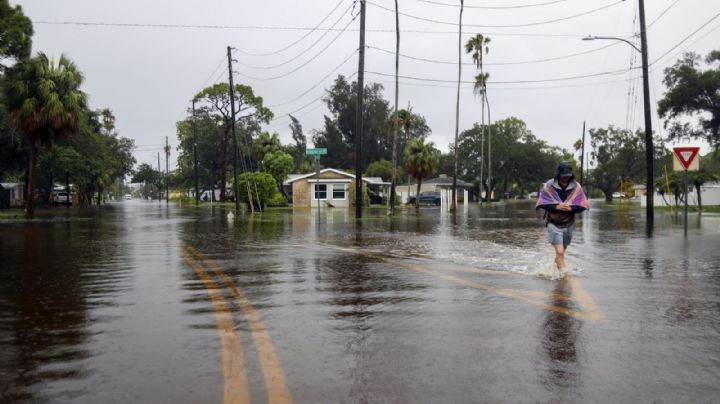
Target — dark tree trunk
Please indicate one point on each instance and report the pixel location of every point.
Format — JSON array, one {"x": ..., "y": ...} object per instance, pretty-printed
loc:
[
  {"x": 223, "y": 167},
  {"x": 699, "y": 196},
  {"x": 417, "y": 195},
  {"x": 212, "y": 183},
  {"x": 30, "y": 194}
]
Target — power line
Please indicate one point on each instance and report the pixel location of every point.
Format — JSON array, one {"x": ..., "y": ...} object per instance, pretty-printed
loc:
[
  {"x": 663, "y": 13},
  {"x": 686, "y": 38},
  {"x": 691, "y": 44},
  {"x": 499, "y": 26},
  {"x": 437, "y": 3},
  {"x": 316, "y": 84},
  {"x": 277, "y": 28},
  {"x": 613, "y": 72},
  {"x": 315, "y": 28},
  {"x": 302, "y": 65},
  {"x": 308, "y": 104},
  {"x": 292, "y": 59},
  {"x": 498, "y": 63}
]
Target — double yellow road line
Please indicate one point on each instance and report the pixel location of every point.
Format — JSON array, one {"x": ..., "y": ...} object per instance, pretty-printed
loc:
[{"x": 236, "y": 388}]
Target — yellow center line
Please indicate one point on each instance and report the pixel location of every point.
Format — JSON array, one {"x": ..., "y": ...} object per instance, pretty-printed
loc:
[
  {"x": 590, "y": 310},
  {"x": 583, "y": 298},
  {"x": 235, "y": 390},
  {"x": 276, "y": 385}
]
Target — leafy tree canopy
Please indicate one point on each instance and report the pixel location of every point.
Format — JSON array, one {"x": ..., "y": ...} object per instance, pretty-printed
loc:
[{"x": 692, "y": 92}]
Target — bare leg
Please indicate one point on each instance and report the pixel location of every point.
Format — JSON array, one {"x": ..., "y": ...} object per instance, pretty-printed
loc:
[{"x": 560, "y": 257}]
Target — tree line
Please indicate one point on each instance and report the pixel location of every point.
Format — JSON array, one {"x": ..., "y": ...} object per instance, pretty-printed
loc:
[{"x": 48, "y": 131}]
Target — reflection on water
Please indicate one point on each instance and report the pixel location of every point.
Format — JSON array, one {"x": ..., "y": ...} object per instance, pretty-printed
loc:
[
  {"x": 559, "y": 342},
  {"x": 46, "y": 296},
  {"x": 99, "y": 307}
]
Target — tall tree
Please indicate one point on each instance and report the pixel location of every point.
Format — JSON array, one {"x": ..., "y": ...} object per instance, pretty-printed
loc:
[
  {"x": 279, "y": 164},
  {"x": 340, "y": 127},
  {"x": 249, "y": 113},
  {"x": 421, "y": 161},
  {"x": 692, "y": 92},
  {"x": 15, "y": 34},
  {"x": 477, "y": 46},
  {"x": 298, "y": 136},
  {"x": 618, "y": 155},
  {"x": 46, "y": 104}
]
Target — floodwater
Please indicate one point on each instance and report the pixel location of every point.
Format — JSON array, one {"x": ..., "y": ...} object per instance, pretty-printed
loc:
[{"x": 144, "y": 302}]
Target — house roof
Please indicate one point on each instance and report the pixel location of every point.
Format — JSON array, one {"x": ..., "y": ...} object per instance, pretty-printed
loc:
[
  {"x": 370, "y": 180},
  {"x": 442, "y": 181}
]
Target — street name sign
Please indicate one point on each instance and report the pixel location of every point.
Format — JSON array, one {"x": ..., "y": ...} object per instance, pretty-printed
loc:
[
  {"x": 685, "y": 158},
  {"x": 316, "y": 152}
]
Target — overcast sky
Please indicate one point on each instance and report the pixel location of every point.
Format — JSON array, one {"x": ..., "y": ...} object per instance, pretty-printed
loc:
[{"x": 146, "y": 59}]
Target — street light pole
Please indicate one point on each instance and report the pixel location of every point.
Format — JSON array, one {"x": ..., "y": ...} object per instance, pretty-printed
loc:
[
  {"x": 649, "y": 149},
  {"x": 195, "y": 153}
]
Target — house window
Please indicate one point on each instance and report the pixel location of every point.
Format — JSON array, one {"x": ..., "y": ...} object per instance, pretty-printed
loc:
[
  {"x": 320, "y": 191},
  {"x": 338, "y": 191}
]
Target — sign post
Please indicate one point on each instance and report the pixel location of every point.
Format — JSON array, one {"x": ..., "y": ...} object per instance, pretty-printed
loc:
[
  {"x": 317, "y": 152},
  {"x": 686, "y": 156}
]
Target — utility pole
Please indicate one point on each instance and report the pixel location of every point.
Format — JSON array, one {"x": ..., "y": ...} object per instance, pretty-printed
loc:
[
  {"x": 167, "y": 171},
  {"x": 453, "y": 205},
  {"x": 359, "y": 116},
  {"x": 582, "y": 156},
  {"x": 159, "y": 174},
  {"x": 232, "y": 131},
  {"x": 649, "y": 149},
  {"x": 195, "y": 153}
]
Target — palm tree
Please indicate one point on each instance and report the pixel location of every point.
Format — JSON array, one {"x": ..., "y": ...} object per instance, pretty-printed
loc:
[
  {"x": 457, "y": 108},
  {"x": 46, "y": 104},
  {"x": 395, "y": 125},
  {"x": 421, "y": 161},
  {"x": 478, "y": 46},
  {"x": 479, "y": 89},
  {"x": 407, "y": 121}
]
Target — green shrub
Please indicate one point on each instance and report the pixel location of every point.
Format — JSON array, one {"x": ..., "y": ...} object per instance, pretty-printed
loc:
[
  {"x": 262, "y": 186},
  {"x": 277, "y": 200},
  {"x": 365, "y": 195}
]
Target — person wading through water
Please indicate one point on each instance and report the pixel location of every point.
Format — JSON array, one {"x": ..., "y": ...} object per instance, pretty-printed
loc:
[{"x": 562, "y": 198}]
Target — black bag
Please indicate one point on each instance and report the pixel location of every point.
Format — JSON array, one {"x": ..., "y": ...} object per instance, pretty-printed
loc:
[{"x": 561, "y": 218}]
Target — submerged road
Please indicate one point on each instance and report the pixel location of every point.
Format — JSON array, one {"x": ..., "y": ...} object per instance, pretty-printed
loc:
[{"x": 144, "y": 302}]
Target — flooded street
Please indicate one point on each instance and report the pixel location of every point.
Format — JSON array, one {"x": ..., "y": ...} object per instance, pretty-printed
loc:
[{"x": 144, "y": 302}]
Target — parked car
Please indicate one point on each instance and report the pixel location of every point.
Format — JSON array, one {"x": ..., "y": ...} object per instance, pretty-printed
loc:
[
  {"x": 619, "y": 195},
  {"x": 533, "y": 195},
  {"x": 127, "y": 197},
  {"x": 429, "y": 197},
  {"x": 60, "y": 198}
]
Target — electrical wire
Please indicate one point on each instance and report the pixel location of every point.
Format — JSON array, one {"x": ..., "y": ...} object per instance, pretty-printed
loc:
[
  {"x": 309, "y": 103},
  {"x": 437, "y": 3},
  {"x": 686, "y": 38},
  {"x": 497, "y": 63},
  {"x": 499, "y": 26},
  {"x": 276, "y": 28},
  {"x": 613, "y": 72},
  {"x": 302, "y": 65},
  {"x": 663, "y": 13},
  {"x": 302, "y": 52},
  {"x": 315, "y": 28},
  {"x": 316, "y": 84}
]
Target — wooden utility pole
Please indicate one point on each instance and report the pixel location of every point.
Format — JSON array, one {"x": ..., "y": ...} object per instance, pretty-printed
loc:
[
  {"x": 395, "y": 116},
  {"x": 167, "y": 171},
  {"x": 359, "y": 115},
  {"x": 232, "y": 131},
  {"x": 159, "y": 175},
  {"x": 649, "y": 150},
  {"x": 195, "y": 153},
  {"x": 453, "y": 204}
]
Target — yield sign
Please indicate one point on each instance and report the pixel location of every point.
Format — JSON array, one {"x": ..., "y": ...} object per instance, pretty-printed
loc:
[{"x": 686, "y": 155}]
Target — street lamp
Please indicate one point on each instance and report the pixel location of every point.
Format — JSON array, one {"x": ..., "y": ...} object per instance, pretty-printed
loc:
[{"x": 649, "y": 211}]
